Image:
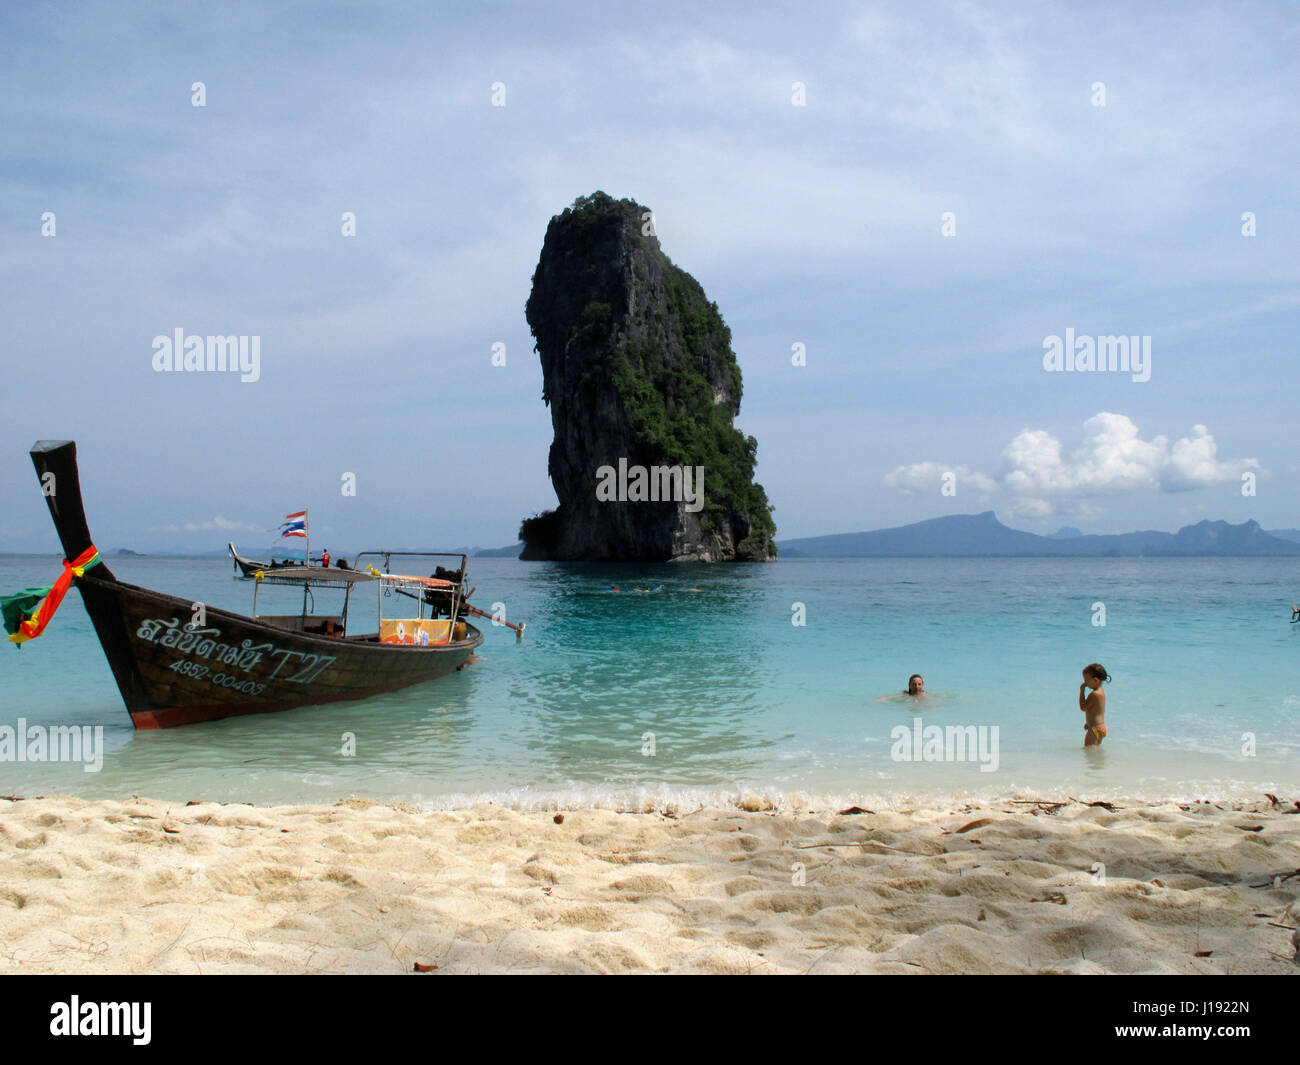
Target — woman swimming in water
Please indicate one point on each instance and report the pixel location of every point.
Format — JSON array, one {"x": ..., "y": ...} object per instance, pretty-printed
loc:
[{"x": 915, "y": 690}]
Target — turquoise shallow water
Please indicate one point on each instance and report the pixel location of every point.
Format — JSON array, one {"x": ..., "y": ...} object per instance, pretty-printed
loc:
[{"x": 739, "y": 700}]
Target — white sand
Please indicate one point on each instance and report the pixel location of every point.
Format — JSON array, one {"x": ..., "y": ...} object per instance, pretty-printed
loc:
[{"x": 145, "y": 886}]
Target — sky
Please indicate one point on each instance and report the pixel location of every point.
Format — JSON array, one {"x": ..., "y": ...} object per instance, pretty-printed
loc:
[{"x": 917, "y": 198}]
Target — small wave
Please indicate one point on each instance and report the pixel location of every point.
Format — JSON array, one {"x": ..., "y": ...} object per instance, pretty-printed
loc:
[{"x": 677, "y": 801}]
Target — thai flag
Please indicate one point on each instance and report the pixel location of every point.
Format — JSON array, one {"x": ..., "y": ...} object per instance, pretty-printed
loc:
[{"x": 294, "y": 525}]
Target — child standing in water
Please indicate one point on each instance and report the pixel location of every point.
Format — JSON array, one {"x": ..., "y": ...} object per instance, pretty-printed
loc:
[{"x": 1094, "y": 704}]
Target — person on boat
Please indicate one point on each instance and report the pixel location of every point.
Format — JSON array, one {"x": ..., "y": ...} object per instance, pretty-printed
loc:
[
  {"x": 915, "y": 685},
  {"x": 325, "y": 558},
  {"x": 342, "y": 563}
]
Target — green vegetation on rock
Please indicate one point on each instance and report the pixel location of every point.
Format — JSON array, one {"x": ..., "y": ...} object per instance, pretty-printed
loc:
[{"x": 676, "y": 414}]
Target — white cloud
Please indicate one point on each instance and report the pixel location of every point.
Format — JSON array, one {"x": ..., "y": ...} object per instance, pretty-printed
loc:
[
  {"x": 1112, "y": 459},
  {"x": 1031, "y": 508},
  {"x": 928, "y": 477},
  {"x": 1192, "y": 464},
  {"x": 218, "y": 522}
]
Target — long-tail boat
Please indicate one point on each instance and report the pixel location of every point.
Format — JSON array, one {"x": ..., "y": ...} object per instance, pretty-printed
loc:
[
  {"x": 249, "y": 566},
  {"x": 177, "y": 662}
]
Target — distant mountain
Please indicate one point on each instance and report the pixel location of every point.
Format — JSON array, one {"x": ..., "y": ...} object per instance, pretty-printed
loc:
[
  {"x": 500, "y": 552},
  {"x": 1065, "y": 532},
  {"x": 1286, "y": 534},
  {"x": 983, "y": 536}
]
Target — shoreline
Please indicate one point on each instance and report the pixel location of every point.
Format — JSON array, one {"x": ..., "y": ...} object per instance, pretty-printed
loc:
[
  {"x": 679, "y": 800},
  {"x": 1027, "y": 885}
]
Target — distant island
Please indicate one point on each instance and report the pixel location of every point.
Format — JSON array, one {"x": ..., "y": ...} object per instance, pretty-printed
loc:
[
  {"x": 513, "y": 551},
  {"x": 983, "y": 536}
]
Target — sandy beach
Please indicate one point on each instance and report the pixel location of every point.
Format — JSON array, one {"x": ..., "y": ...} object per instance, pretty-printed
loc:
[{"x": 143, "y": 886}]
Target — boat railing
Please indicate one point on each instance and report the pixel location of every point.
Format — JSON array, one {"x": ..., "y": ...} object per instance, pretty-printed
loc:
[
  {"x": 439, "y": 594},
  {"x": 424, "y": 590},
  {"x": 309, "y": 579},
  {"x": 388, "y": 556}
]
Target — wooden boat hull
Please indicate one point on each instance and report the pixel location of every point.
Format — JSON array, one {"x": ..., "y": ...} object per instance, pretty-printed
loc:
[{"x": 172, "y": 672}]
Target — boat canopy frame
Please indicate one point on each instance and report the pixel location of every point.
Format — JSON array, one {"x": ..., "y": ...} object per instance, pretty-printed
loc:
[
  {"x": 397, "y": 583},
  {"x": 386, "y": 583}
]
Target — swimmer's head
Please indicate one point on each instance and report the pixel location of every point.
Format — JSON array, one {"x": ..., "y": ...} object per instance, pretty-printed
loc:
[
  {"x": 915, "y": 684},
  {"x": 1094, "y": 675}
]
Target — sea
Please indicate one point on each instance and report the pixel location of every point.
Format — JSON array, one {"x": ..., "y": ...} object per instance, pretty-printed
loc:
[{"x": 751, "y": 685}]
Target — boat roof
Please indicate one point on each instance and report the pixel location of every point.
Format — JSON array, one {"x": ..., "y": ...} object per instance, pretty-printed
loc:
[
  {"x": 337, "y": 578},
  {"x": 341, "y": 578}
]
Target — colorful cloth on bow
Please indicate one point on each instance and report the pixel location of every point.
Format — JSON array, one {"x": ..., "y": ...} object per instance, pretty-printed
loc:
[
  {"x": 18, "y": 607},
  {"x": 26, "y": 613}
]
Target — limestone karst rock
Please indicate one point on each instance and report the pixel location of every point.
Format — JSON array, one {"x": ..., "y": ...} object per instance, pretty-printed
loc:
[{"x": 638, "y": 371}]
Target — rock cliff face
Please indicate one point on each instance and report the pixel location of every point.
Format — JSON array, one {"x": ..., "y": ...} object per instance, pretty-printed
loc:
[{"x": 638, "y": 370}]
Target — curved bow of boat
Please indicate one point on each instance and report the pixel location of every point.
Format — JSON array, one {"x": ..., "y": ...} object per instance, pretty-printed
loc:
[{"x": 56, "y": 466}]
